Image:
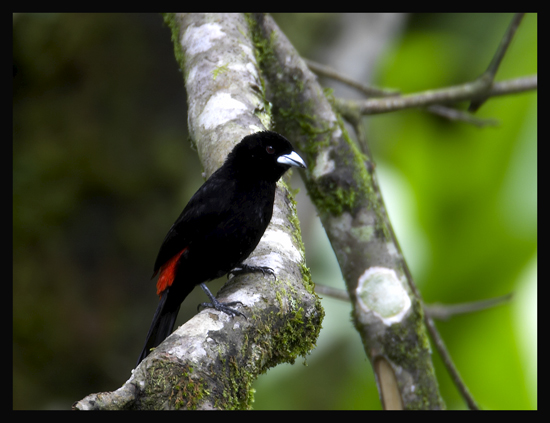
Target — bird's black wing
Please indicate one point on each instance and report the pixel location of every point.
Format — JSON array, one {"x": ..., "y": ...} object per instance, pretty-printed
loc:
[{"x": 209, "y": 206}]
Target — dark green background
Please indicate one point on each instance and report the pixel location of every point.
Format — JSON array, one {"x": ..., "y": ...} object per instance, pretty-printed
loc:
[{"x": 102, "y": 166}]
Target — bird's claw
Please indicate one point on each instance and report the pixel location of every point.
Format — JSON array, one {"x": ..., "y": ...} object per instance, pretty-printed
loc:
[
  {"x": 224, "y": 307},
  {"x": 245, "y": 268}
]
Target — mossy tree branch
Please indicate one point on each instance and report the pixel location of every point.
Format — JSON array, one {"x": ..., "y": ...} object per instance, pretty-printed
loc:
[
  {"x": 211, "y": 361},
  {"x": 341, "y": 182},
  {"x": 232, "y": 64}
]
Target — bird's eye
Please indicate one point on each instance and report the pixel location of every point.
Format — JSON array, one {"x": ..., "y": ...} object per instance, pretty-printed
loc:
[{"x": 270, "y": 149}]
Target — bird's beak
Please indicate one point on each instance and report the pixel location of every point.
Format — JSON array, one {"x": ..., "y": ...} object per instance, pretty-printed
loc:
[{"x": 292, "y": 159}]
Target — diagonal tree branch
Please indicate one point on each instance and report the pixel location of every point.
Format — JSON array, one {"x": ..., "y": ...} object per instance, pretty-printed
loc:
[
  {"x": 478, "y": 92},
  {"x": 430, "y": 325},
  {"x": 342, "y": 184}
]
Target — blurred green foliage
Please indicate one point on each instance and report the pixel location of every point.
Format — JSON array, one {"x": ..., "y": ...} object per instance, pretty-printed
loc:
[
  {"x": 102, "y": 166},
  {"x": 477, "y": 206}
]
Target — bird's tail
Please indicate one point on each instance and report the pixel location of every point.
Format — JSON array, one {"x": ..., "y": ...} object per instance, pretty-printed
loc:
[{"x": 162, "y": 325}]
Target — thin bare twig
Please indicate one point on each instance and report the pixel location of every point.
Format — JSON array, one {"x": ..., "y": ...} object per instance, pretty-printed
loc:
[
  {"x": 459, "y": 115},
  {"x": 339, "y": 294},
  {"x": 445, "y": 311},
  {"x": 513, "y": 86},
  {"x": 442, "y": 349},
  {"x": 489, "y": 75},
  {"x": 454, "y": 94},
  {"x": 368, "y": 90},
  {"x": 504, "y": 44},
  {"x": 436, "y": 311},
  {"x": 447, "y": 360}
]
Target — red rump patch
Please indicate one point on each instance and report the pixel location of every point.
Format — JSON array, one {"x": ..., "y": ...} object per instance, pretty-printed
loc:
[{"x": 168, "y": 273}]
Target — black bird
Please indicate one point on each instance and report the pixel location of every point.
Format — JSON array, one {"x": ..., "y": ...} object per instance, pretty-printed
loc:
[{"x": 219, "y": 227}]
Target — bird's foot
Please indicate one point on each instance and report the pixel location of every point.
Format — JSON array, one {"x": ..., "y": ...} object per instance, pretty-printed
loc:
[
  {"x": 245, "y": 268},
  {"x": 224, "y": 307}
]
